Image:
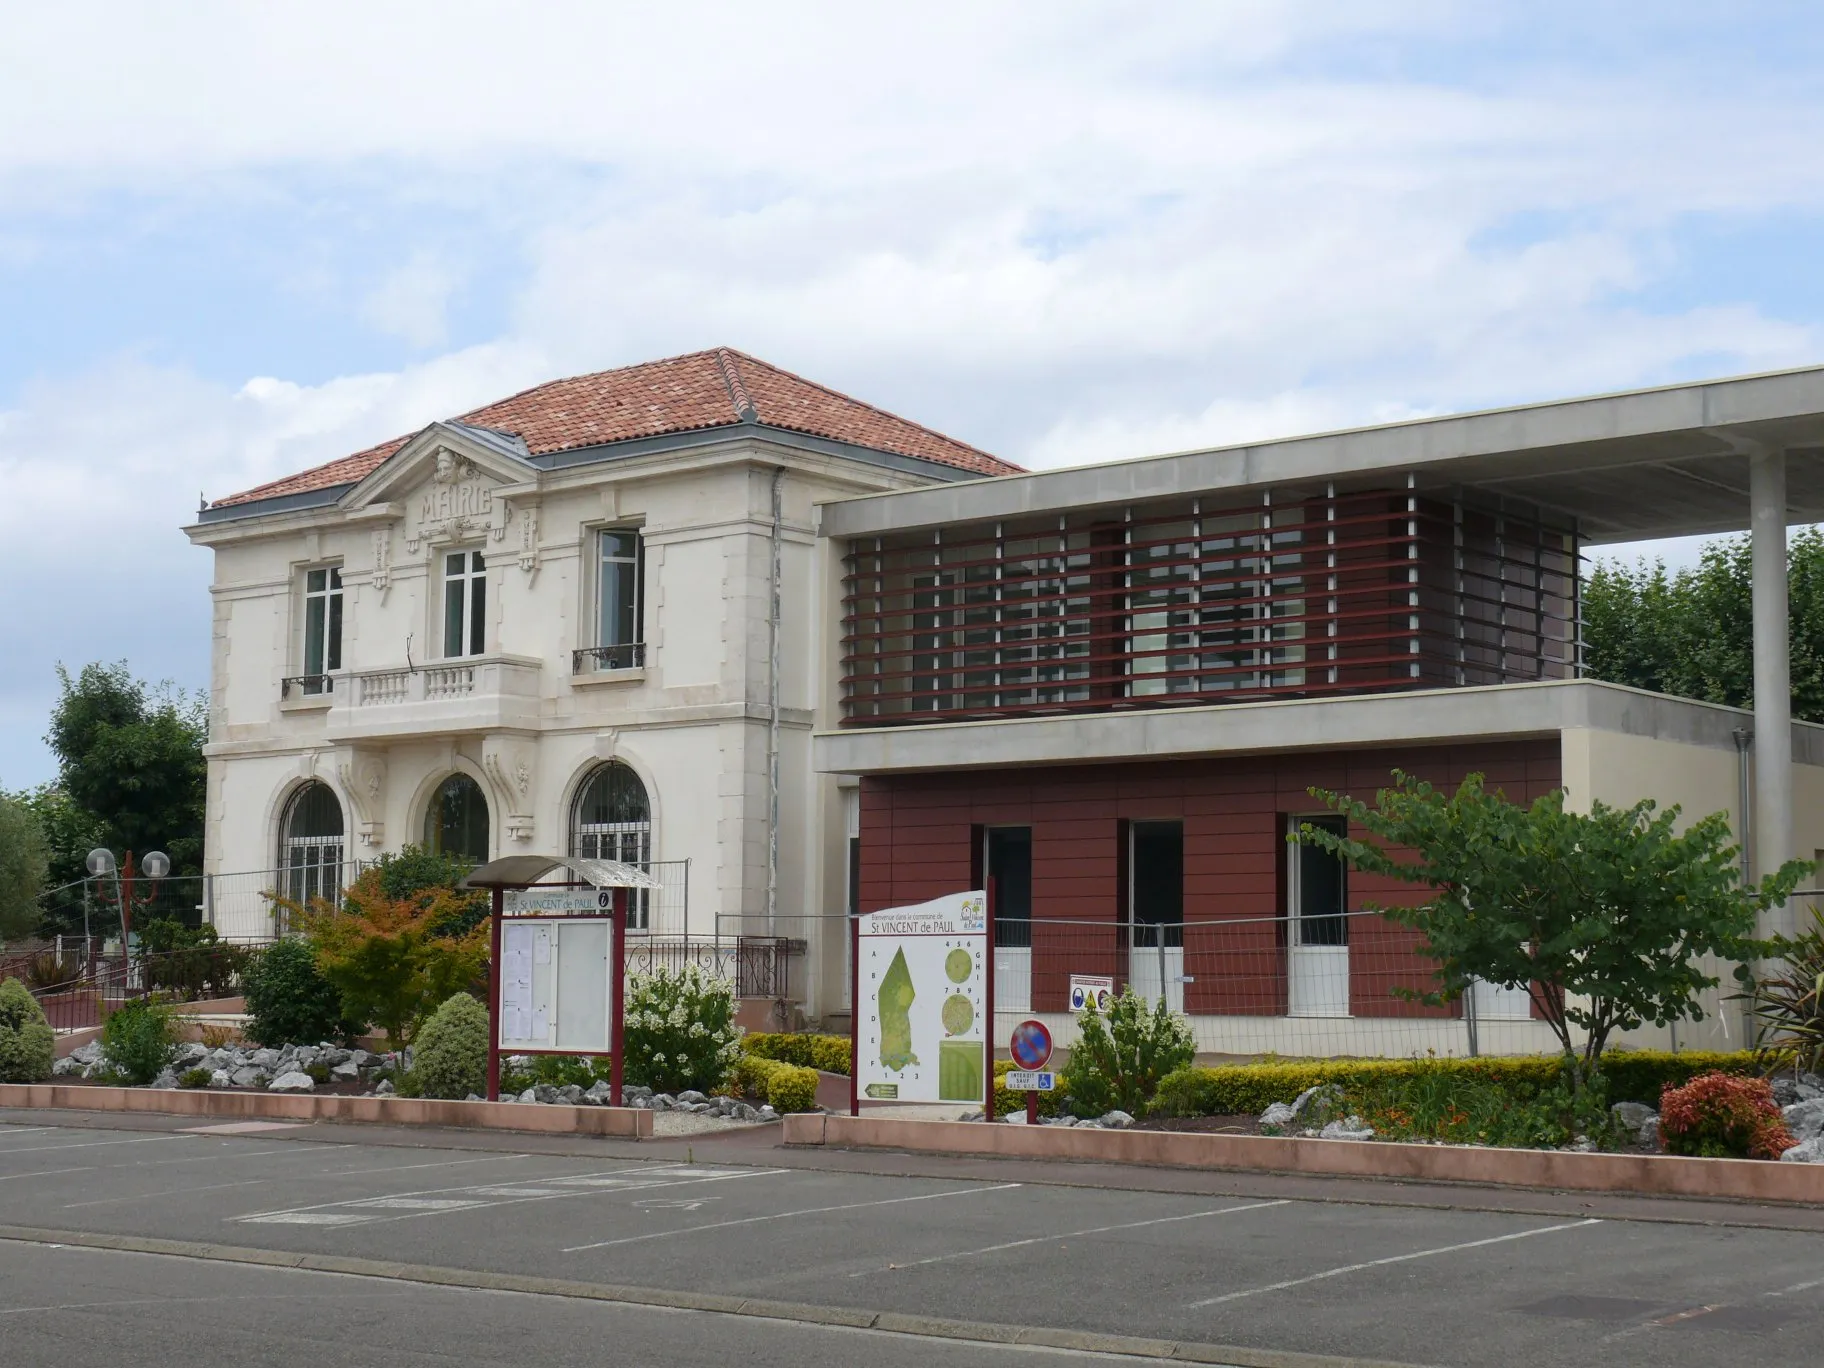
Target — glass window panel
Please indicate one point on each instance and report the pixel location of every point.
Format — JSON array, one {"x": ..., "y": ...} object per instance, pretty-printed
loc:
[
  {"x": 478, "y": 593},
  {"x": 1322, "y": 891},
  {"x": 315, "y": 608},
  {"x": 452, "y": 617},
  {"x": 332, "y": 655}
]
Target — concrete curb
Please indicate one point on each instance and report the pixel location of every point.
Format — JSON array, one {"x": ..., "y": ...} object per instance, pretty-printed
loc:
[
  {"x": 1748, "y": 1180},
  {"x": 628, "y": 1123},
  {"x": 884, "y": 1322}
]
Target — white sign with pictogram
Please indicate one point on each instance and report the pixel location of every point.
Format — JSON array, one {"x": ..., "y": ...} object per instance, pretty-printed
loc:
[{"x": 1091, "y": 990}]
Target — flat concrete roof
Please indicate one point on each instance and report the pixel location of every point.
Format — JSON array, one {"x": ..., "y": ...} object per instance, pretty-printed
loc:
[
  {"x": 1422, "y": 717},
  {"x": 1647, "y": 463}
]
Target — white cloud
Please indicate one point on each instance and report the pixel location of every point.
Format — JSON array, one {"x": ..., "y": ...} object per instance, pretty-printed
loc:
[{"x": 413, "y": 300}]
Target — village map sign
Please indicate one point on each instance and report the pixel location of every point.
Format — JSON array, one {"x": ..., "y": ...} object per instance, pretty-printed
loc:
[{"x": 922, "y": 1000}]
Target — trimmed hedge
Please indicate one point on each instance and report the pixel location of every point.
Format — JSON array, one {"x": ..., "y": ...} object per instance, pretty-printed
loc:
[
  {"x": 1248, "y": 1089},
  {"x": 28, "y": 1046},
  {"x": 785, "y": 1087},
  {"x": 829, "y": 1053}
]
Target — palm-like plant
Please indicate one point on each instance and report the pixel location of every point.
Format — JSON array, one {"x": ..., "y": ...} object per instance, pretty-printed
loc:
[{"x": 1788, "y": 1005}]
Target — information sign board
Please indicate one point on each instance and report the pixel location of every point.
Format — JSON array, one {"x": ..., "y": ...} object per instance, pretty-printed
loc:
[
  {"x": 1091, "y": 990},
  {"x": 921, "y": 1000},
  {"x": 556, "y": 979}
]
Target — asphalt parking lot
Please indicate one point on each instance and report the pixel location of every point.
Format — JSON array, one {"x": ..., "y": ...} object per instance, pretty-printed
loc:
[{"x": 1262, "y": 1272}]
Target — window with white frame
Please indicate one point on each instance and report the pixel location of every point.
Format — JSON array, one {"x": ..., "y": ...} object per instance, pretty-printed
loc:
[
  {"x": 620, "y": 608},
  {"x": 465, "y": 598},
  {"x": 322, "y": 628},
  {"x": 613, "y": 821},
  {"x": 310, "y": 845}
]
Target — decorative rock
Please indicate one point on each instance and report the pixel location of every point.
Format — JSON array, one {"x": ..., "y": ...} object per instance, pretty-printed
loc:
[
  {"x": 1062, "y": 1121},
  {"x": 966, "y": 1116},
  {"x": 662, "y": 1102},
  {"x": 1349, "y": 1128},
  {"x": 1649, "y": 1132},
  {"x": 1278, "y": 1114},
  {"x": 1810, "y": 1086},
  {"x": 545, "y": 1092},
  {"x": 1805, "y": 1119},
  {"x": 636, "y": 1090},
  {"x": 1807, "y": 1152},
  {"x": 1115, "y": 1120},
  {"x": 87, "y": 1054},
  {"x": 345, "y": 1072},
  {"x": 691, "y": 1095},
  {"x": 1631, "y": 1116},
  {"x": 190, "y": 1053},
  {"x": 293, "y": 1082},
  {"x": 247, "y": 1076},
  {"x": 570, "y": 1094},
  {"x": 220, "y": 1079},
  {"x": 167, "y": 1078},
  {"x": 765, "y": 1112},
  {"x": 384, "y": 1088},
  {"x": 264, "y": 1059},
  {"x": 474, "y": 1097},
  {"x": 332, "y": 1055},
  {"x": 742, "y": 1112},
  {"x": 598, "y": 1094},
  {"x": 66, "y": 1065},
  {"x": 529, "y": 1095}
]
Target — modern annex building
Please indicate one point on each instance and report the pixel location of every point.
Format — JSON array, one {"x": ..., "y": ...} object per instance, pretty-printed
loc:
[
  {"x": 806, "y": 657},
  {"x": 1112, "y": 688}
]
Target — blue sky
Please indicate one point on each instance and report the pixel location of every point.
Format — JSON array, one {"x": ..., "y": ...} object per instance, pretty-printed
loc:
[{"x": 236, "y": 241}]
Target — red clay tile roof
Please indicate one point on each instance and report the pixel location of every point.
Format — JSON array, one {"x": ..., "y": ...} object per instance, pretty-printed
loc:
[{"x": 707, "y": 389}]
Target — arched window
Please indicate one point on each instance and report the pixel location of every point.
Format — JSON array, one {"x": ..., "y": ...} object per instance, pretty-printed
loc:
[
  {"x": 613, "y": 821},
  {"x": 310, "y": 844},
  {"x": 456, "y": 823}
]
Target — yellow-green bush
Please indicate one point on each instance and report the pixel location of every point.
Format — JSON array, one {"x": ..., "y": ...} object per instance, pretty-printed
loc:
[
  {"x": 1248, "y": 1089},
  {"x": 830, "y": 1053},
  {"x": 785, "y": 1087}
]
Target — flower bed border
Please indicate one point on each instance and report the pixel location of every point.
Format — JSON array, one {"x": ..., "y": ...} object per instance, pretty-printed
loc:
[
  {"x": 628, "y": 1123},
  {"x": 1747, "y": 1180}
]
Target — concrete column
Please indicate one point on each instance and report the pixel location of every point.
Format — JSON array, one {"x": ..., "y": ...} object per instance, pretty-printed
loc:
[{"x": 1772, "y": 675}]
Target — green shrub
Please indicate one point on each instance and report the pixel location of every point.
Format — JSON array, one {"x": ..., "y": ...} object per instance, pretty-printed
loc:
[
  {"x": 189, "y": 962},
  {"x": 28, "y": 1046},
  {"x": 680, "y": 1031},
  {"x": 289, "y": 1002},
  {"x": 830, "y": 1053},
  {"x": 785, "y": 1087},
  {"x": 1248, "y": 1089},
  {"x": 1118, "y": 1061},
  {"x": 1432, "y": 1101},
  {"x": 195, "y": 1078},
  {"x": 138, "y": 1040},
  {"x": 451, "y": 1056}
]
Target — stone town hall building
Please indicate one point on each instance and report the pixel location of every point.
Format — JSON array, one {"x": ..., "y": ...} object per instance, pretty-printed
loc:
[
  {"x": 804, "y": 656},
  {"x": 587, "y": 619}
]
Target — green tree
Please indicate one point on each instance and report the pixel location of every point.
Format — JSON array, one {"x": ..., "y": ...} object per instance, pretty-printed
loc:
[
  {"x": 1603, "y": 918},
  {"x": 24, "y": 865},
  {"x": 1691, "y": 634},
  {"x": 70, "y": 831},
  {"x": 131, "y": 755}
]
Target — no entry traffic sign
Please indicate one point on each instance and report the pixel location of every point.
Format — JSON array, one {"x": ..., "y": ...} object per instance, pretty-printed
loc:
[{"x": 1030, "y": 1045}]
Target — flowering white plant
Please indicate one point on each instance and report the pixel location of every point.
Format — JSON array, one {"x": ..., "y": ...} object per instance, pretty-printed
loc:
[{"x": 680, "y": 1030}]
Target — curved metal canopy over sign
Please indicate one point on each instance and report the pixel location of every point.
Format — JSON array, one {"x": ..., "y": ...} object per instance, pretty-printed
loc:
[{"x": 524, "y": 871}]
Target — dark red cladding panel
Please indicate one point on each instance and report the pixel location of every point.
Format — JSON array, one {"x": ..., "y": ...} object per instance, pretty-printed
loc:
[{"x": 915, "y": 844}]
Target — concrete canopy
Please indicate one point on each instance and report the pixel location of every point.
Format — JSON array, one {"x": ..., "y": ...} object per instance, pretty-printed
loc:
[
  {"x": 1665, "y": 462},
  {"x": 523, "y": 871}
]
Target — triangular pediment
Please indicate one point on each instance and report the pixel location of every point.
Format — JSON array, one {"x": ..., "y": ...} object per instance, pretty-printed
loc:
[{"x": 449, "y": 455}]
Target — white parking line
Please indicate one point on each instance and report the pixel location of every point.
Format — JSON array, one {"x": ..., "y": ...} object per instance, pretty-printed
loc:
[
  {"x": 45, "y": 1173},
  {"x": 786, "y": 1215},
  {"x": 406, "y": 1205},
  {"x": 1393, "y": 1259},
  {"x": 93, "y": 1144},
  {"x": 8, "y": 1132},
  {"x": 441, "y": 1163},
  {"x": 1071, "y": 1235}
]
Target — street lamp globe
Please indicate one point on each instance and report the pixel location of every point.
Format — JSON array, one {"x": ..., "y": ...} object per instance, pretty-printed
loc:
[
  {"x": 155, "y": 864},
  {"x": 100, "y": 862}
]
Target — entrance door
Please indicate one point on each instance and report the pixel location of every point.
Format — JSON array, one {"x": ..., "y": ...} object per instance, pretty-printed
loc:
[
  {"x": 1007, "y": 859},
  {"x": 1155, "y": 962},
  {"x": 1318, "y": 931}
]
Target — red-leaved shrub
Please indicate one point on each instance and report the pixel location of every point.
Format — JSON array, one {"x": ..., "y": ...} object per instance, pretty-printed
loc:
[{"x": 1723, "y": 1116}]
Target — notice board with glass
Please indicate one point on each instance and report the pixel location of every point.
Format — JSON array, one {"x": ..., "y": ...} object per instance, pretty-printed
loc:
[{"x": 556, "y": 978}]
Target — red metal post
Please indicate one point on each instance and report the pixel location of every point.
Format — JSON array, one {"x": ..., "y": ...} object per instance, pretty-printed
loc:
[
  {"x": 618, "y": 969},
  {"x": 495, "y": 985},
  {"x": 854, "y": 1016},
  {"x": 988, "y": 1006},
  {"x": 1032, "y": 1107}
]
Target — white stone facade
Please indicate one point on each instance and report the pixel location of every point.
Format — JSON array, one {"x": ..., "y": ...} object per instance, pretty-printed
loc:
[{"x": 528, "y": 720}]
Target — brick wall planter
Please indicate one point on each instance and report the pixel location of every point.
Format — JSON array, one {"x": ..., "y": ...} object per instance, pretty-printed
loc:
[
  {"x": 624, "y": 1122},
  {"x": 1747, "y": 1180}
]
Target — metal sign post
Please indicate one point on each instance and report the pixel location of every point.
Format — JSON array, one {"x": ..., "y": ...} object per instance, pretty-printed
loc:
[
  {"x": 988, "y": 1006},
  {"x": 619, "y": 1006},
  {"x": 1029, "y": 1046},
  {"x": 854, "y": 1016},
  {"x": 499, "y": 896}
]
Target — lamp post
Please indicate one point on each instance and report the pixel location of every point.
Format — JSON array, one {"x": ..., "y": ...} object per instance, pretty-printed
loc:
[{"x": 155, "y": 864}]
